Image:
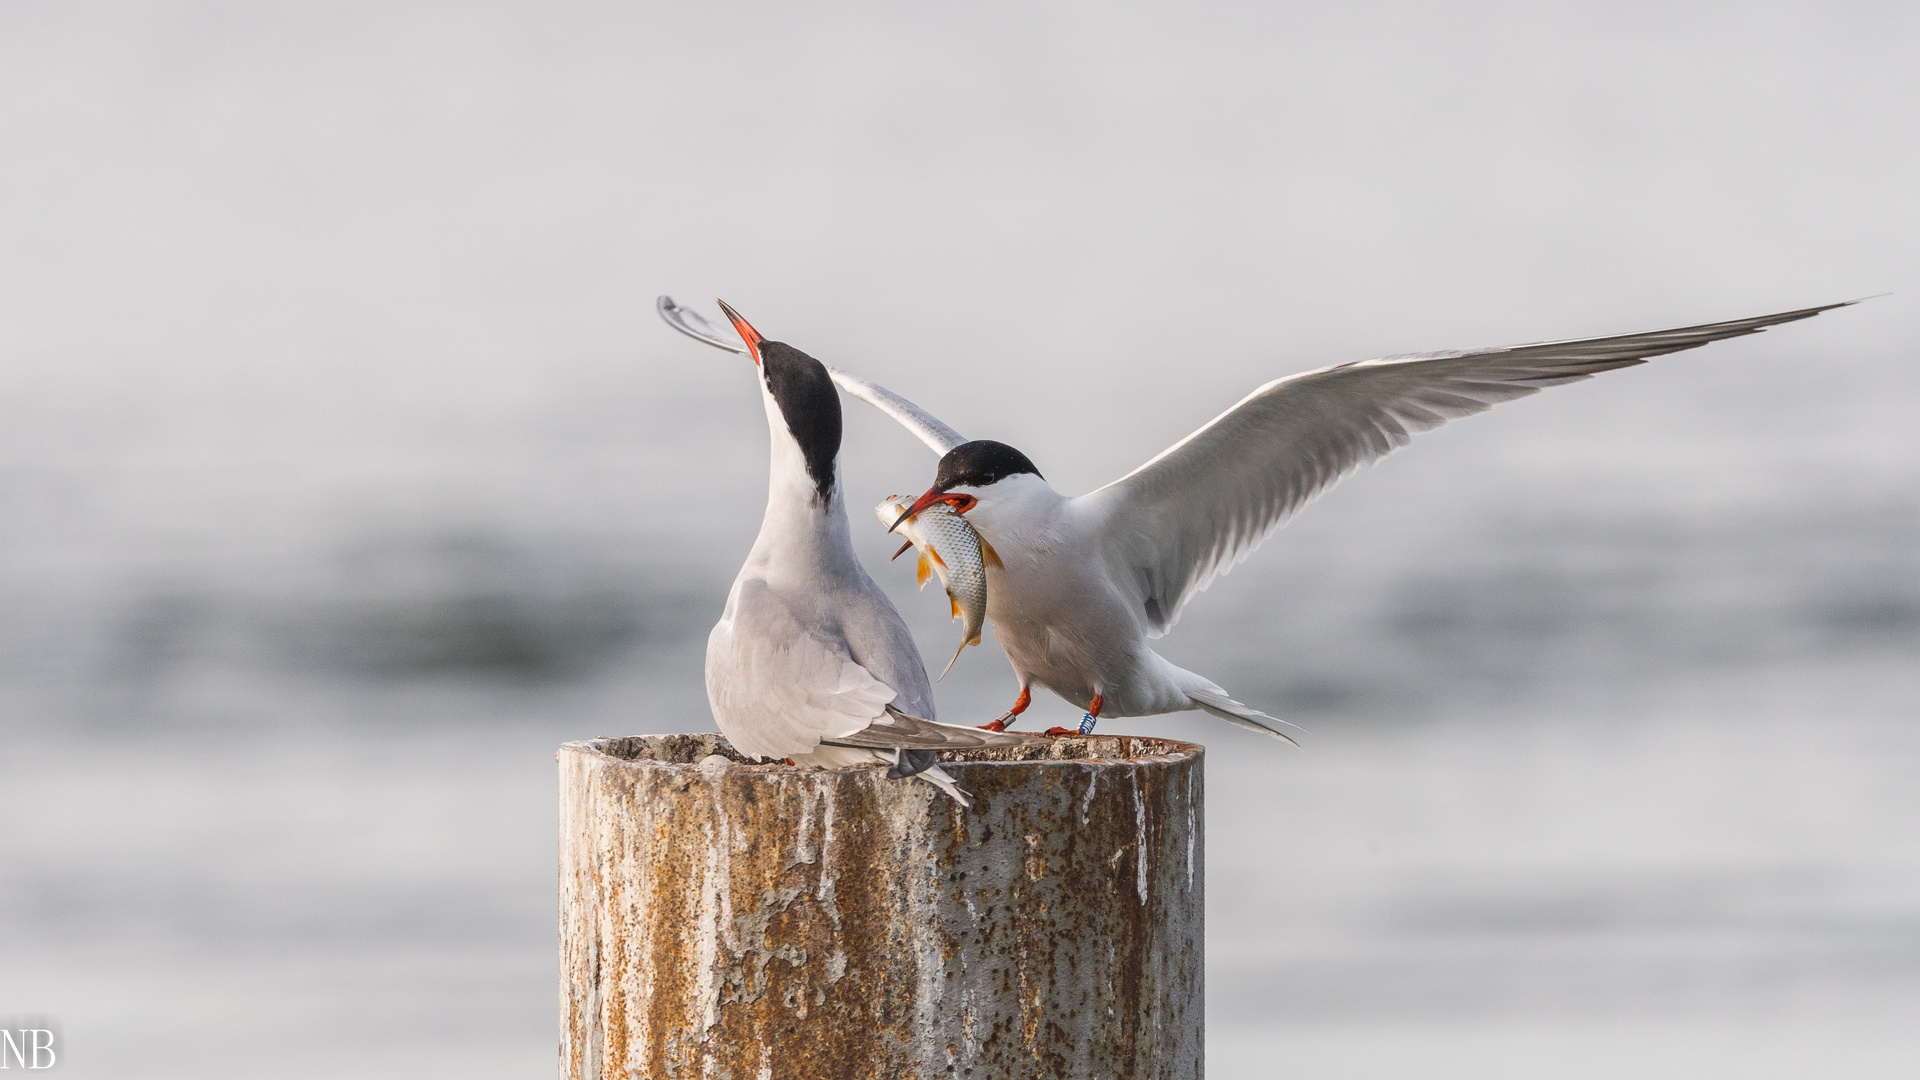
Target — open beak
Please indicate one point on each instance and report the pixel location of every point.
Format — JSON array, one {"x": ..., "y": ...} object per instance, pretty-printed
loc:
[
  {"x": 960, "y": 503},
  {"x": 747, "y": 333}
]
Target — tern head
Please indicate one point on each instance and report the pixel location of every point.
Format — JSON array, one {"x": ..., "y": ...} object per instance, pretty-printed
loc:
[
  {"x": 808, "y": 403},
  {"x": 978, "y": 465}
]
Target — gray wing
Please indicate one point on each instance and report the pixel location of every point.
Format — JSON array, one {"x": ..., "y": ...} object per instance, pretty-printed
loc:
[
  {"x": 939, "y": 437},
  {"x": 1205, "y": 503},
  {"x": 924, "y": 425},
  {"x": 776, "y": 689},
  {"x": 898, "y": 730},
  {"x": 694, "y": 325},
  {"x": 878, "y": 639}
]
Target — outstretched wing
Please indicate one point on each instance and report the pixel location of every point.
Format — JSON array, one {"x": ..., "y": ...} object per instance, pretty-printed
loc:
[
  {"x": 694, "y": 325},
  {"x": 1205, "y": 503},
  {"x": 939, "y": 437},
  {"x": 924, "y": 425}
]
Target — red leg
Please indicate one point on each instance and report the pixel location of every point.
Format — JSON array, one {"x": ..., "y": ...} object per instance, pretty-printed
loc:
[
  {"x": 1019, "y": 706},
  {"x": 1086, "y": 726}
]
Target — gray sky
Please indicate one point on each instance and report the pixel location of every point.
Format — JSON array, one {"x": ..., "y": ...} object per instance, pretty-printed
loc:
[
  {"x": 278, "y": 278},
  {"x": 338, "y": 233}
]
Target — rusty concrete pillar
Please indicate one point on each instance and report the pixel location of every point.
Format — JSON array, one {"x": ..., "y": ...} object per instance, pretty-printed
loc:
[{"x": 762, "y": 922}]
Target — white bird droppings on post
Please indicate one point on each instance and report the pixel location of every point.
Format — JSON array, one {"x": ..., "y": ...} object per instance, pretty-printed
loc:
[{"x": 1140, "y": 855}]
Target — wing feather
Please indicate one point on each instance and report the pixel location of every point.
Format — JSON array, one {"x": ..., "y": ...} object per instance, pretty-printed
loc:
[
  {"x": 1204, "y": 504},
  {"x": 939, "y": 437},
  {"x": 923, "y": 424},
  {"x": 898, "y": 730},
  {"x": 777, "y": 690}
]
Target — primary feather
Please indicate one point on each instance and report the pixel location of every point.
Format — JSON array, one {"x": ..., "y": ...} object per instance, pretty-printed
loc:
[{"x": 1208, "y": 501}]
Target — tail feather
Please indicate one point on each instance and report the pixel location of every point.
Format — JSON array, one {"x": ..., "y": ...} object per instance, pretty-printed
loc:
[
  {"x": 921, "y": 763},
  {"x": 911, "y": 763},
  {"x": 1246, "y": 716},
  {"x": 906, "y": 765},
  {"x": 938, "y": 777},
  {"x": 911, "y": 745}
]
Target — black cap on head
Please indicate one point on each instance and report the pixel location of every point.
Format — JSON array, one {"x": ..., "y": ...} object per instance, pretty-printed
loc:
[
  {"x": 808, "y": 402},
  {"x": 979, "y": 463}
]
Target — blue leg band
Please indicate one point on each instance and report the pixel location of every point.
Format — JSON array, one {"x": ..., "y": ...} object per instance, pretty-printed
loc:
[{"x": 1087, "y": 722}]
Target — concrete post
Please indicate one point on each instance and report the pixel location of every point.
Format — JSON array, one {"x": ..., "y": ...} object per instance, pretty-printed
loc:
[{"x": 763, "y": 922}]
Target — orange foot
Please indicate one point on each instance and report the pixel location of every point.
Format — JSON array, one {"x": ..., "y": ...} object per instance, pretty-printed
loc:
[
  {"x": 1019, "y": 706},
  {"x": 1086, "y": 723}
]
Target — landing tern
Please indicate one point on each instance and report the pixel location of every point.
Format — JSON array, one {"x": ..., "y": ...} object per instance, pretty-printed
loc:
[
  {"x": 809, "y": 660},
  {"x": 1085, "y": 582}
]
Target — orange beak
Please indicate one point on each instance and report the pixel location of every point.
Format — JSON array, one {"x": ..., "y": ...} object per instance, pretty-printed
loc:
[
  {"x": 960, "y": 503},
  {"x": 746, "y": 331}
]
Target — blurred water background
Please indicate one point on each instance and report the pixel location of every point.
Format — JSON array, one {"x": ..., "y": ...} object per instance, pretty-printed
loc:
[{"x": 345, "y": 471}]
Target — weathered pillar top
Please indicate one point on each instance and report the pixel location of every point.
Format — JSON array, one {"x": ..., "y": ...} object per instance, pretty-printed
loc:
[
  {"x": 692, "y": 752},
  {"x": 727, "y": 918}
]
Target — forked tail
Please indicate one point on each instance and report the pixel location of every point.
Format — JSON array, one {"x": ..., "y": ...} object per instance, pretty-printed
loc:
[
  {"x": 920, "y": 763},
  {"x": 1216, "y": 701}
]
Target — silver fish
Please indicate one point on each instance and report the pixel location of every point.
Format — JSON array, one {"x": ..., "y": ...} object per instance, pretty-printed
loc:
[{"x": 948, "y": 546}]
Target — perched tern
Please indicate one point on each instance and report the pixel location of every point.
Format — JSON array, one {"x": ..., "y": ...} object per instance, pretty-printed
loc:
[
  {"x": 810, "y": 661},
  {"x": 1084, "y": 583}
]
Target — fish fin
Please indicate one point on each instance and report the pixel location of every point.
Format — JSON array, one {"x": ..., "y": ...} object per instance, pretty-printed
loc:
[
  {"x": 934, "y": 554},
  {"x": 987, "y": 554},
  {"x": 925, "y": 571},
  {"x": 955, "y": 604}
]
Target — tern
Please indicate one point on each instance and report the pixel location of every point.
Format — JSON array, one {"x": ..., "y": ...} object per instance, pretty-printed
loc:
[
  {"x": 810, "y": 661},
  {"x": 1086, "y": 582}
]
